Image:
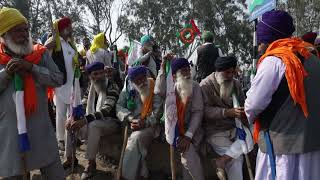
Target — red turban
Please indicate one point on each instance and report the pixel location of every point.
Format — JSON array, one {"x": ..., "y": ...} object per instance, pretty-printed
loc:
[{"x": 63, "y": 23}]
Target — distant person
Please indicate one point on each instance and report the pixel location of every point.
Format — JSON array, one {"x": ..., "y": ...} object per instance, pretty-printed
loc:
[{"x": 207, "y": 54}]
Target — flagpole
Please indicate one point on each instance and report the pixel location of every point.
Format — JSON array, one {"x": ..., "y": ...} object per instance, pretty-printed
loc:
[
  {"x": 255, "y": 51},
  {"x": 173, "y": 163}
]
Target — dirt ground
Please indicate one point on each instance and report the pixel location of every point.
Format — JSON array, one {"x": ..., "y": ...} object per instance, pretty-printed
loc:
[{"x": 106, "y": 169}]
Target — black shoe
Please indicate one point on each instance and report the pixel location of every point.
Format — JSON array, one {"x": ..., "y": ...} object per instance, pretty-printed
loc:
[{"x": 68, "y": 164}]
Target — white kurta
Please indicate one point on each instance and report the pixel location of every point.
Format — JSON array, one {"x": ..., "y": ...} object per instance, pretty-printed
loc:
[
  {"x": 63, "y": 94},
  {"x": 288, "y": 167}
]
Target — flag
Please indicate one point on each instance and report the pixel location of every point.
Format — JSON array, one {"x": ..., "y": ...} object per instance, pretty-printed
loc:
[
  {"x": 134, "y": 52},
  {"x": 244, "y": 142},
  {"x": 170, "y": 112},
  {"x": 76, "y": 105},
  {"x": 24, "y": 144}
]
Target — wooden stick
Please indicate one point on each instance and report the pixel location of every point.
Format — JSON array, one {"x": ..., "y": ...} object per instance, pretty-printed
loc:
[
  {"x": 124, "y": 145},
  {"x": 173, "y": 164},
  {"x": 249, "y": 167},
  {"x": 24, "y": 166}
]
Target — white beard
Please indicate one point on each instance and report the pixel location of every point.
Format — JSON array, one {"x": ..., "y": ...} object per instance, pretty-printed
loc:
[
  {"x": 18, "y": 49},
  {"x": 143, "y": 90},
  {"x": 184, "y": 87},
  {"x": 101, "y": 85},
  {"x": 226, "y": 86}
]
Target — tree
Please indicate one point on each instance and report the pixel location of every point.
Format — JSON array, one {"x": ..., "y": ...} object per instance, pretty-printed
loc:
[
  {"x": 161, "y": 19},
  {"x": 305, "y": 14},
  {"x": 228, "y": 21}
]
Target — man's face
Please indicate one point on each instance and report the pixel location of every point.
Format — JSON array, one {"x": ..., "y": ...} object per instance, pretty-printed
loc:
[
  {"x": 185, "y": 72},
  {"x": 19, "y": 34},
  {"x": 67, "y": 32},
  {"x": 229, "y": 73},
  {"x": 141, "y": 81},
  {"x": 97, "y": 75}
]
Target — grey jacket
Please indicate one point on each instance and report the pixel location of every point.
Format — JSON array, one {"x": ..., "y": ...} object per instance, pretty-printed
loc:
[{"x": 290, "y": 131}]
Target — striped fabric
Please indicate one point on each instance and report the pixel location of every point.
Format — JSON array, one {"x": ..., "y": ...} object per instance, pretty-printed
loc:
[{"x": 24, "y": 144}]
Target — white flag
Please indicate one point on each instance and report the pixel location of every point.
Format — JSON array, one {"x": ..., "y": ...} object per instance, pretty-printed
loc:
[
  {"x": 134, "y": 52},
  {"x": 170, "y": 112}
]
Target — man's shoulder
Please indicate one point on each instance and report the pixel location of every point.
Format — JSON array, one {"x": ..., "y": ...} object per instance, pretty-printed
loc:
[{"x": 207, "y": 80}]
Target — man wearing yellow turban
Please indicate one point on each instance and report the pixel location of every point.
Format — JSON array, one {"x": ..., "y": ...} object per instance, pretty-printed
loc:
[
  {"x": 98, "y": 50},
  {"x": 98, "y": 53},
  {"x": 26, "y": 70}
]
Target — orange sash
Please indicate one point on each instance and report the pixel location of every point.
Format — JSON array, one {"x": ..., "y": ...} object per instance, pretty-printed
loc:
[
  {"x": 181, "y": 109},
  {"x": 286, "y": 50},
  {"x": 148, "y": 103},
  {"x": 30, "y": 98}
]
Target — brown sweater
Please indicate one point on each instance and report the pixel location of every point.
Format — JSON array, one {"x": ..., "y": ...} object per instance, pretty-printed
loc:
[{"x": 214, "y": 121}]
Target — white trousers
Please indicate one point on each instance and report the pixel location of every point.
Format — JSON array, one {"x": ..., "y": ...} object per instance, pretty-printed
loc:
[
  {"x": 94, "y": 131},
  {"x": 221, "y": 144},
  {"x": 62, "y": 112},
  {"x": 289, "y": 167}
]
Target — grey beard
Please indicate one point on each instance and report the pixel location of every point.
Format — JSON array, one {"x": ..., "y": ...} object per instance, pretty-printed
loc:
[
  {"x": 226, "y": 86},
  {"x": 18, "y": 49},
  {"x": 184, "y": 87},
  {"x": 100, "y": 85},
  {"x": 143, "y": 91}
]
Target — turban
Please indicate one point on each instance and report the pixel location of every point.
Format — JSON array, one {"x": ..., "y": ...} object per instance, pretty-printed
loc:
[
  {"x": 9, "y": 18},
  {"x": 178, "y": 63},
  {"x": 135, "y": 71},
  {"x": 144, "y": 39},
  {"x": 63, "y": 23},
  {"x": 310, "y": 37},
  {"x": 98, "y": 43},
  {"x": 274, "y": 25},
  {"x": 94, "y": 67},
  {"x": 224, "y": 63},
  {"x": 207, "y": 35}
]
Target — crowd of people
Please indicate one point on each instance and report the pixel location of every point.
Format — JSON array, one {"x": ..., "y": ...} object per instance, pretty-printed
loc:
[{"x": 39, "y": 88}]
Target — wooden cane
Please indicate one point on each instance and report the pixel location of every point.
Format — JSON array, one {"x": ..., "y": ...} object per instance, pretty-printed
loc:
[
  {"x": 24, "y": 166},
  {"x": 172, "y": 163},
  {"x": 124, "y": 145},
  {"x": 249, "y": 167}
]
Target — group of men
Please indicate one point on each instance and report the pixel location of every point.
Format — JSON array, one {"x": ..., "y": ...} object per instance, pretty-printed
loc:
[{"x": 281, "y": 103}]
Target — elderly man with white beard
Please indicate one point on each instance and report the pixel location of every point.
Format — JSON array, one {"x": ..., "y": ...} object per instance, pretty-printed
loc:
[
  {"x": 101, "y": 122},
  {"x": 220, "y": 114},
  {"x": 189, "y": 105},
  {"x": 26, "y": 70},
  {"x": 139, "y": 106}
]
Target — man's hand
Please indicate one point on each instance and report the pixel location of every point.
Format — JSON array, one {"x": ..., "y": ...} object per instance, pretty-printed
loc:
[
  {"x": 77, "y": 125},
  {"x": 19, "y": 66},
  {"x": 184, "y": 143},
  {"x": 137, "y": 124},
  {"x": 235, "y": 113},
  {"x": 68, "y": 124},
  {"x": 50, "y": 44}
]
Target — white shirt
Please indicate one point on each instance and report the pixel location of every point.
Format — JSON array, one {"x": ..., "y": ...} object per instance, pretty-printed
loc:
[
  {"x": 101, "y": 55},
  {"x": 64, "y": 92},
  {"x": 263, "y": 86}
]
